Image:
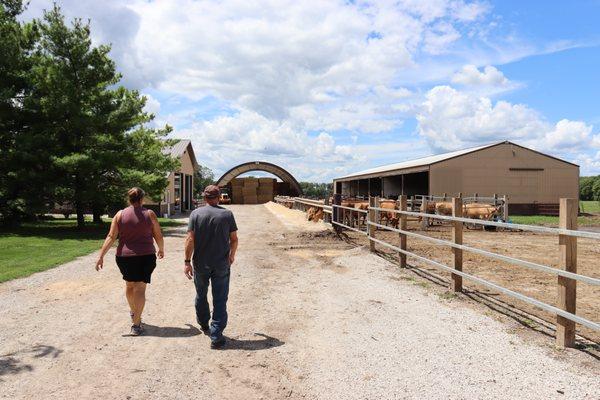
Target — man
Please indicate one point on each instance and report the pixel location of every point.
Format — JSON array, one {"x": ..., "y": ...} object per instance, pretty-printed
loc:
[{"x": 212, "y": 238}]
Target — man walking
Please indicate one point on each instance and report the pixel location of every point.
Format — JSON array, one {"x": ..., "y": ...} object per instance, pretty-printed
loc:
[{"x": 212, "y": 238}]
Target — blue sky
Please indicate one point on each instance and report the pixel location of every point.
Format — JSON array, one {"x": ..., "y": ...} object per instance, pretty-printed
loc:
[{"x": 332, "y": 87}]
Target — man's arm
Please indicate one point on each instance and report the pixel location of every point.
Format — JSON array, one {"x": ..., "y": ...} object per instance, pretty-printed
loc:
[
  {"x": 233, "y": 244},
  {"x": 189, "y": 251}
]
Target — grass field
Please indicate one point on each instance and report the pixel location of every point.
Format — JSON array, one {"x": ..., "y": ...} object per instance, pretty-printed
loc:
[
  {"x": 588, "y": 207},
  {"x": 551, "y": 221},
  {"x": 36, "y": 247},
  {"x": 592, "y": 207}
]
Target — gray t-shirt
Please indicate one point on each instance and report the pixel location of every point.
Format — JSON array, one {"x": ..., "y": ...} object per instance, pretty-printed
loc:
[{"x": 211, "y": 226}]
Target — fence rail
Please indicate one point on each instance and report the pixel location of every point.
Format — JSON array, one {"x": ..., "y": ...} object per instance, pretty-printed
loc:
[{"x": 567, "y": 275}]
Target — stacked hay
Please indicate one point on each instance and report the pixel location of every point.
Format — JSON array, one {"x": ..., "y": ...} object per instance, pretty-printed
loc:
[
  {"x": 249, "y": 191},
  {"x": 266, "y": 188},
  {"x": 237, "y": 195}
]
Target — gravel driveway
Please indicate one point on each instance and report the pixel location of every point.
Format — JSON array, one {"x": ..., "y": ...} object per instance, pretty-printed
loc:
[{"x": 310, "y": 317}]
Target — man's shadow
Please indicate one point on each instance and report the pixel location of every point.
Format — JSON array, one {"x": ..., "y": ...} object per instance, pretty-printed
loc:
[
  {"x": 169, "y": 331},
  {"x": 267, "y": 342}
]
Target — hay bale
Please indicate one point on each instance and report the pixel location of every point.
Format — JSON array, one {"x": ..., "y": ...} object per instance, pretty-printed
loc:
[
  {"x": 250, "y": 200},
  {"x": 249, "y": 191}
]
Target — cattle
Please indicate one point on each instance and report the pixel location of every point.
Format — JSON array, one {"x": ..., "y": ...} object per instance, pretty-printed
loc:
[
  {"x": 315, "y": 214},
  {"x": 480, "y": 211},
  {"x": 347, "y": 217},
  {"x": 429, "y": 206},
  {"x": 472, "y": 210},
  {"x": 310, "y": 213},
  {"x": 391, "y": 218},
  {"x": 318, "y": 215},
  {"x": 443, "y": 208},
  {"x": 360, "y": 217}
]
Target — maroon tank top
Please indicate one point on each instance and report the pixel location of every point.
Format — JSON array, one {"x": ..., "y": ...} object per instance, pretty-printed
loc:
[{"x": 135, "y": 232}]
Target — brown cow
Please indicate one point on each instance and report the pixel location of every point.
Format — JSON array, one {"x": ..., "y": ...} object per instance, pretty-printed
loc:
[
  {"x": 318, "y": 215},
  {"x": 315, "y": 214},
  {"x": 347, "y": 218},
  {"x": 360, "y": 217},
  {"x": 480, "y": 211},
  {"x": 443, "y": 208},
  {"x": 390, "y": 217},
  {"x": 471, "y": 210}
]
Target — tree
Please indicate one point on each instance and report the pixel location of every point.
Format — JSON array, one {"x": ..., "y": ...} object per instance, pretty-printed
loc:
[
  {"x": 596, "y": 189},
  {"x": 203, "y": 177},
  {"x": 22, "y": 189},
  {"x": 316, "y": 190},
  {"x": 586, "y": 184},
  {"x": 96, "y": 131}
]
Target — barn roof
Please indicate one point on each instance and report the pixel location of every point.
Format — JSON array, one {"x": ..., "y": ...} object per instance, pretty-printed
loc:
[
  {"x": 179, "y": 148},
  {"x": 429, "y": 160}
]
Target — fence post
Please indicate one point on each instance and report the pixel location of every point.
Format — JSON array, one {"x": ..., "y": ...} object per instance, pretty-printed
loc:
[
  {"x": 372, "y": 217},
  {"x": 424, "y": 211},
  {"x": 326, "y": 216},
  {"x": 402, "y": 256},
  {"x": 335, "y": 212},
  {"x": 457, "y": 237},
  {"x": 567, "y": 287},
  {"x": 505, "y": 210}
]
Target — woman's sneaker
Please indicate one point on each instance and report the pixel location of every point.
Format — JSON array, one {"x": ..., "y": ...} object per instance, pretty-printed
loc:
[{"x": 137, "y": 330}]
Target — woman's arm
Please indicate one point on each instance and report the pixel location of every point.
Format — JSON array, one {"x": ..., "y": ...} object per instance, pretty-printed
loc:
[
  {"x": 157, "y": 234},
  {"x": 110, "y": 239}
]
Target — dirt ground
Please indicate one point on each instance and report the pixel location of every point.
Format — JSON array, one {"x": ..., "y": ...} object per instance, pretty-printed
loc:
[
  {"x": 533, "y": 247},
  {"x": 311, "y": 317}
]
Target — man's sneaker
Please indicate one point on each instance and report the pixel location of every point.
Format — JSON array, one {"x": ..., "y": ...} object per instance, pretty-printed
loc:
[
  {"x": 205, "y": 328},
  {"x": 137, "y": 330},
  {"x": 217, "y": 344}
]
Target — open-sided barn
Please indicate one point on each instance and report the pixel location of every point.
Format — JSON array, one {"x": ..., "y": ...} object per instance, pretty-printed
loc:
[{"x": 529, "y": 178}]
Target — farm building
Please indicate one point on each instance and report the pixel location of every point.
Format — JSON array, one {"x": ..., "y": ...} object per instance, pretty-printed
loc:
[
  {"x": 178, "y": 196},
  {"x": 251, "y": 190},
  {"x": 532, "y": 181}
]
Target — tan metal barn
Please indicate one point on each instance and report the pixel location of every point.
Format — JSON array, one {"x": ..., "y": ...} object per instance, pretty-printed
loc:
[{"x": 529, "y": 178}]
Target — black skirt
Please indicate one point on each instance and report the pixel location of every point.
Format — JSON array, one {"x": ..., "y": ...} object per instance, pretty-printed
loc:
[{"x": 137, "y": 268}]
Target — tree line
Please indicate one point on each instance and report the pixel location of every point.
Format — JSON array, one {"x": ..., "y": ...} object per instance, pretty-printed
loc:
[
  {"x": 316, "y": 190},
  {"x": 69, "y": 132},
  {"x": 589, "y": 188}
]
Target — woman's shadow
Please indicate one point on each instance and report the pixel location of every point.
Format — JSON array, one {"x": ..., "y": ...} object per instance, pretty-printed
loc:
[{"x": 267, "y": 342}]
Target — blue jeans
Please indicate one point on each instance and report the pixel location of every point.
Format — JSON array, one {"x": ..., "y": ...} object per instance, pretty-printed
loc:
[{"x": 219, "y": 279}]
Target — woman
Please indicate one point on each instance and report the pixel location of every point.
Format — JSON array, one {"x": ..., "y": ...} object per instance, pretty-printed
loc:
[{"x": 136, "y": 226}]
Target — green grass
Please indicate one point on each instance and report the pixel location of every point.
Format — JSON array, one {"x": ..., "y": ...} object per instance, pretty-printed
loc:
[
  {"x": 589, "y": 206},
  {"x": 38, "y": 246},
  {"x": 551, "y": 221}
]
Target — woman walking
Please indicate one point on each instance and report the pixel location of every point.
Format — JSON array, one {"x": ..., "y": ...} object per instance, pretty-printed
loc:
[{"x": 135, "y": 226}]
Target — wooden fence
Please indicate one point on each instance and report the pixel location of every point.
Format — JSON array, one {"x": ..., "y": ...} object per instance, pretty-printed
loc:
[{"x": 566, "y": 274}]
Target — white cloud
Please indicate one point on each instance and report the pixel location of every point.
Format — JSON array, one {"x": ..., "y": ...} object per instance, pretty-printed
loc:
[
  {"x": 152, "y": 105},
  {"x": 471, "y": 76},
  {"x": 450, "y": 119},
  {"x": 289, "y": 69},
  {"x": 248, "y": 136}
]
